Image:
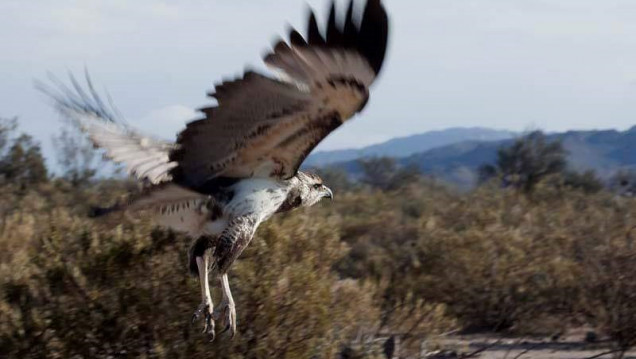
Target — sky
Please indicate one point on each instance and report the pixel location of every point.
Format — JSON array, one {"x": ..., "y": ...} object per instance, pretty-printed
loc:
[{"x": 507, "y": 64}]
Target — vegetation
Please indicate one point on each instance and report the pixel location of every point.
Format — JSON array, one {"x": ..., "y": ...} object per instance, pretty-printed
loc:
[
  {"x": 408, "y": 261},
  {"x": 528, "y": 161},
  {"x": 21, "y": 160},
  {"x": 76, "y": 156}
]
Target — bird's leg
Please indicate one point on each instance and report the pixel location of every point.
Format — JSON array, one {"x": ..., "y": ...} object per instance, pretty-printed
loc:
[
  {"x": 229, "y": 246},
  {"x": 226, "y": 311},
  {"x": 207, "y": 307}
]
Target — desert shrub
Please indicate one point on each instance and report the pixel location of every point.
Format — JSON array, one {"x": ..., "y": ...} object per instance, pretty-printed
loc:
[
  {"x": 608, "y": 276},
  {"x": 23, "y": 163},
  {"x": 73, "y": 287},
  {"x": 496, "y": 259},
  {"x": 526, "y": 162},
  {"x": 386, "y": 173},
  {"x": 337, "y": 280},
  {"x": 623, "y": 182},
  {"x": 76, "y": 156},
  {"x": 586, "y": 181}
]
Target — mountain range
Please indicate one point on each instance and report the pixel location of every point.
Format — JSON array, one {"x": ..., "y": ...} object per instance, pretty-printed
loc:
[
  {"x": 407, "y": 146},
  {"x": 454, "y": 155}
]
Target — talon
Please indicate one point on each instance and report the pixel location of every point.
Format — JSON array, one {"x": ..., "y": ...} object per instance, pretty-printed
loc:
[
  {"x": 208, "y": 325},
  {"x": 197, "y": 313},
  {"x": 196, "y": 316},
  {"x": 226, "y": 316}
]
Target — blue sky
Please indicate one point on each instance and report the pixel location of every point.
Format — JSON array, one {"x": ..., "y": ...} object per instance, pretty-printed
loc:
[{"x": 506, "y": 64}]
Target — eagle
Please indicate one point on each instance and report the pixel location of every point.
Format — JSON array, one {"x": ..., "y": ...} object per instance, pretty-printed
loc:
[{"x": 238, "y": 164}]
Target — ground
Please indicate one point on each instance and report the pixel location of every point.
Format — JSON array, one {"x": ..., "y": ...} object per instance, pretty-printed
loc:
[{"x": 572, "y": 345}]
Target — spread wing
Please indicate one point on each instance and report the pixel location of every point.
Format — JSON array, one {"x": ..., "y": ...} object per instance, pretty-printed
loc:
[
  {"x": 264, "y": 127},
  {"x": 146, "y": 158}
]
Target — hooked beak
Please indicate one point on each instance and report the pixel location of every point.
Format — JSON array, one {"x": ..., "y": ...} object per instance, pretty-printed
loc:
[{"x": 328, "y": 194}]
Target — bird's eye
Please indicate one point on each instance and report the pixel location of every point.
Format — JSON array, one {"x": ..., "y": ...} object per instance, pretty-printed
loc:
[{"x": 317, "y": 186}]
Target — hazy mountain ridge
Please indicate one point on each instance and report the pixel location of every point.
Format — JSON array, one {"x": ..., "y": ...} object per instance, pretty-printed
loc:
[
  {"x": 406, "y": 146},
  {"x": 604, "y": 151}
]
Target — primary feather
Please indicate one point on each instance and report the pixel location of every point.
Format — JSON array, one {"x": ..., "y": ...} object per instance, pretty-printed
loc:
[{"x": 145, "y": 157}]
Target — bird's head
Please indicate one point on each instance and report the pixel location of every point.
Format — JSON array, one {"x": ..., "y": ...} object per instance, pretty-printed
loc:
[{"x": 312, "y": 190}]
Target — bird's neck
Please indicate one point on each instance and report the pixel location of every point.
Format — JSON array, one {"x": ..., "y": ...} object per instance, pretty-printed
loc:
[{"x": 294, "y": 195}]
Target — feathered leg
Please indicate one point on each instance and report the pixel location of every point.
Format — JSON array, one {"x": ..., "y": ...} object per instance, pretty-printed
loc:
[
  {"x": 206, "y": 308},
  {"x": 226, "y": 311},
  {"x": 229, "y": 247}
]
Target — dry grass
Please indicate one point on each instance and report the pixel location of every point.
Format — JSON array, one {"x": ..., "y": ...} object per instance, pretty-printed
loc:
[{"x": 412, "y": 262}]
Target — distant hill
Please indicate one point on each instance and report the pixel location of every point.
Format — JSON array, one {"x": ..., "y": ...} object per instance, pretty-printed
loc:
[
  {"x": 406, "y": 146},
  {"x": 604, "y": 151}
]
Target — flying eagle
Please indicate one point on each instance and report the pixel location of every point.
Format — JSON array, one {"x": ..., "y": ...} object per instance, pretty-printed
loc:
[{"x": 239, "y": 164}]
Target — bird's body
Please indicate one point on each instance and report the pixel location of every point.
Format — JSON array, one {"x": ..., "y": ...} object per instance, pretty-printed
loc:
[
  {"x": 200, "y": 215},
  {"x": 238, "y": 165},
  {"x": 210, "y": 214}
]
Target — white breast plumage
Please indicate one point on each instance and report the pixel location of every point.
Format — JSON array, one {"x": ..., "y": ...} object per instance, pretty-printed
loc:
[
  {"x": 251, "y": 196},
  {"x": 257, "y": 196}
]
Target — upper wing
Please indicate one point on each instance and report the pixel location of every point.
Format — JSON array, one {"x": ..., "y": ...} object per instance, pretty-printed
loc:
[
  {"x": 264, "y": 127},
  {"x": 145, "y": 157}
]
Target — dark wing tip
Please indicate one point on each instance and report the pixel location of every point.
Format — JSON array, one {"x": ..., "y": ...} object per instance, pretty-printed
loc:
[
  {"x": 374, "y": 34},
  {"x": 281, "y": 46},
  {"x": 334, "y": 35},
  {"x": 314, "y": 37},
  {"x": 350, "y": 31},
  {"x": 296, "y": 39},
  {"x": 369, "y": 39}
]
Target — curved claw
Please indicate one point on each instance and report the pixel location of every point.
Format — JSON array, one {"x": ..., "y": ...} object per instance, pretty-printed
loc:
[
  {"x": 203, "y": 307},
  {"x": 208, "y": 327},
  {"x": 231, "y": 328},
  {"x": 227, "y": 315},
  {"x": 197, "y": 314}
]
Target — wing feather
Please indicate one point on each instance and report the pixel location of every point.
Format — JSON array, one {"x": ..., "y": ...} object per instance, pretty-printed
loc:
[
  {"x": 144, "y": 157},
  {"x": 261, "y": 127},
  {"x": 163, "y": 196},
  {"x": 249, "y": 110},
  {"x": 264, "y": 127}
]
